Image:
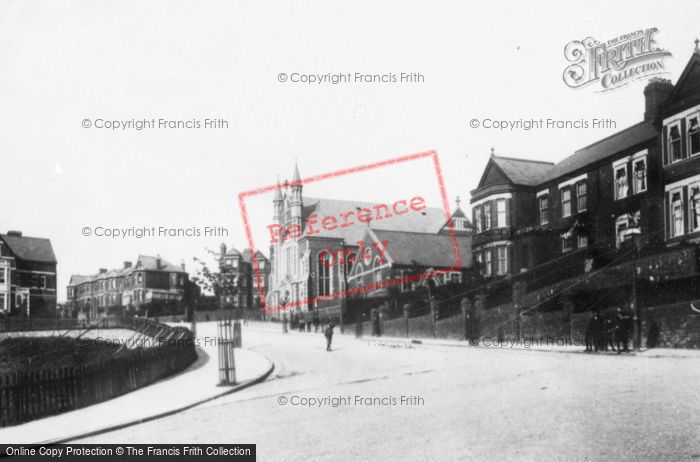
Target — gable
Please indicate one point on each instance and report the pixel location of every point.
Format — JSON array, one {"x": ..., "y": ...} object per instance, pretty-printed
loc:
[
  {"x": 493, "y": 175},
  {"x": 689, "y": 81}
]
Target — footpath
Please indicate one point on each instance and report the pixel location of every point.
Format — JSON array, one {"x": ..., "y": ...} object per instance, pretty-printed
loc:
[
  {"x": 191, "y": 387},
  {"x": 526, "y": 344}
]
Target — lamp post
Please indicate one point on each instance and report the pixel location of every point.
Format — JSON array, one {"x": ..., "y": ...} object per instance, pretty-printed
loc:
[{"x": 636, "y": 235}]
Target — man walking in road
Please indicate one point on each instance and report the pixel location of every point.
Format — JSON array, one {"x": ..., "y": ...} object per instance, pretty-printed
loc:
[{"x": 329, "y": 335}]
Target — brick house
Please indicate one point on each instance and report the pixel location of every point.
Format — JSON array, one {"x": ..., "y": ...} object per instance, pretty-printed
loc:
[
  {"x": 27, "y": 275},
  {"x": 239, "y": 265},
  {"x": 505, "y": 202},
  {"x": 619, "y": 218},
  {"x": 127, "y": 289}
]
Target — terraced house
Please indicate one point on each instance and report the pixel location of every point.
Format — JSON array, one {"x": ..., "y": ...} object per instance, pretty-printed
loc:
[
  {"x": 128, "y": 288},
  {"x": 619, "y": 220},
  {"x": 27, "y": 275}
]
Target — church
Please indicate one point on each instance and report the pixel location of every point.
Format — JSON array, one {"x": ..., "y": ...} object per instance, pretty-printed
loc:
[{"x": 317, "y": 257}]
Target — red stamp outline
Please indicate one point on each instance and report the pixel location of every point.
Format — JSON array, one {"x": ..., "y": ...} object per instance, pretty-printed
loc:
[{"x": 342, "y": 172}]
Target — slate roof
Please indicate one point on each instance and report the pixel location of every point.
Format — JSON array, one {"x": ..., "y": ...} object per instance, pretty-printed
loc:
[
  {"x": 430, "y": 220},
  {"x": 431, "y": 250},
  {"x": 599, "y": 150},
  {"x": 247, "y": 254},
  {"x": 30, "y": 248},
  {"x": 144, "y": 262},
  {"x": 523, "y": 171}
]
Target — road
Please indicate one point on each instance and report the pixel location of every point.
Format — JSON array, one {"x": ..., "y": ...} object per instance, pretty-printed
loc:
[{"x": 468, "y": 404}]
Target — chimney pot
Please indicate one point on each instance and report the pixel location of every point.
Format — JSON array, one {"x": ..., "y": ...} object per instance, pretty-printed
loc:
[{"x": 655, "y": 94}]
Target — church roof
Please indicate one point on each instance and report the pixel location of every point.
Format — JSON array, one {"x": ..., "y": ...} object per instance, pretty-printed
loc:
[
  {"x": 430, "y": 220},
  {"x": 430, "y": 250}
]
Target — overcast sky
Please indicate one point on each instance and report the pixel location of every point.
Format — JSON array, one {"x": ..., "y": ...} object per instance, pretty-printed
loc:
[{"x": 62, "y": 62}]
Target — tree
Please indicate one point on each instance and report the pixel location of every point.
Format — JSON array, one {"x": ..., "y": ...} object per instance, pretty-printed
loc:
[{"x": 223, "y": 285}]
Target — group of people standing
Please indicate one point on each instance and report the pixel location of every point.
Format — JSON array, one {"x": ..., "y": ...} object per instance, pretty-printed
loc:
[{"x": 611, "y": 331}]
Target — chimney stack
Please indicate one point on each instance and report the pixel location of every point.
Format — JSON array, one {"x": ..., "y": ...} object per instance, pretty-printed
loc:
[
  {"x": 655, "y": 93},
  {"x": 14, "y": 233},
  {"x": 103, "y": 270},
  {"x": 158, "y": 262},
  {"x": 127, "y": 264},
  {"x": 182, "y": 265}
]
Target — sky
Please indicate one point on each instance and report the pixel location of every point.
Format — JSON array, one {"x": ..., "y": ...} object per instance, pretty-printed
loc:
[{"x": 62, "y": 63}]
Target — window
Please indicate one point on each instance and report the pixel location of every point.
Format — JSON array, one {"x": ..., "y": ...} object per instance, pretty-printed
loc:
[
  {"x": 544, "y": 210},
  {"x": 695, "y": 207},
  {"x": 41, "y": 282},
  {"x": 2, "y": 303},
  {"x": 693, "y": 136},
  {"x": 261, "y": 264},
  {"x": 487, "y": 216},
  {"x": 324, "y": 273},
  {"x": 566, "y": 242},
  {"x": 234, "y": 263},
  {"x": 502, "y": 255},
  {"x": 674, "y": 143},
  {"x": 676, "y": 214},
  {"x": 455, "y": 278},
  {"x": 640, "y": 175},
  {"x": 621, "y": 225},
  {"x": 3, "y": 271},
  {"x": 479, "y": 259},
  {"x": 621, "y": 182},
  {"x": 581, "y": 202},
  {"x": 501, "y": 213},
  {"x": 377, "y": 270},
  {"x": 582, "y": 241},
  {"x": 139, "y": 278},
  {"x": 487, "y": 263},
  {"x": 173, "y": 279},
  {"x": 565, "y": 202},
  {"x": 477, "y": 219}
]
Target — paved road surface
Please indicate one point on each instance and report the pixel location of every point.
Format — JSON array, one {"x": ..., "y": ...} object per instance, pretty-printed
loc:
[{"x": 474, "y": 404}]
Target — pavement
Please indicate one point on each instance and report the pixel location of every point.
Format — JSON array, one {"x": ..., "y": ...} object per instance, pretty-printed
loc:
[
  {"x": 193, "y": 386},
  {"x": 526, "y": 344}
]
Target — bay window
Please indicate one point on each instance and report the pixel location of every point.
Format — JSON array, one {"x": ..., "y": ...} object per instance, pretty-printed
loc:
[
  {"x": 501, "y": 213},
  {"x": 502, "y": 256}
]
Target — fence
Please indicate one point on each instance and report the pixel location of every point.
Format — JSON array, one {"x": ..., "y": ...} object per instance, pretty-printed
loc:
[{"x": 31, "y": 394}]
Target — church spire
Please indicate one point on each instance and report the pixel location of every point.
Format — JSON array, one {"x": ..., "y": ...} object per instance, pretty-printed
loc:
[{"x": 296, "y": 178}]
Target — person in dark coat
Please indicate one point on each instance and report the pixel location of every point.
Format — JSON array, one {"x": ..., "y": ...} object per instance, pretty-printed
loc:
[
  {"x": 593, "y": 333},
  {"x": 328, "y": 332},
  {"x": 316, "y": 321},
  {"x": 622, "y": 330},
  {"x": 609, "y": 333}
]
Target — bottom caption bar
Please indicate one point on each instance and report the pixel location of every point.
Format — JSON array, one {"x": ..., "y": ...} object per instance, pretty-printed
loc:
[{"x": 127, "y": 452}]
